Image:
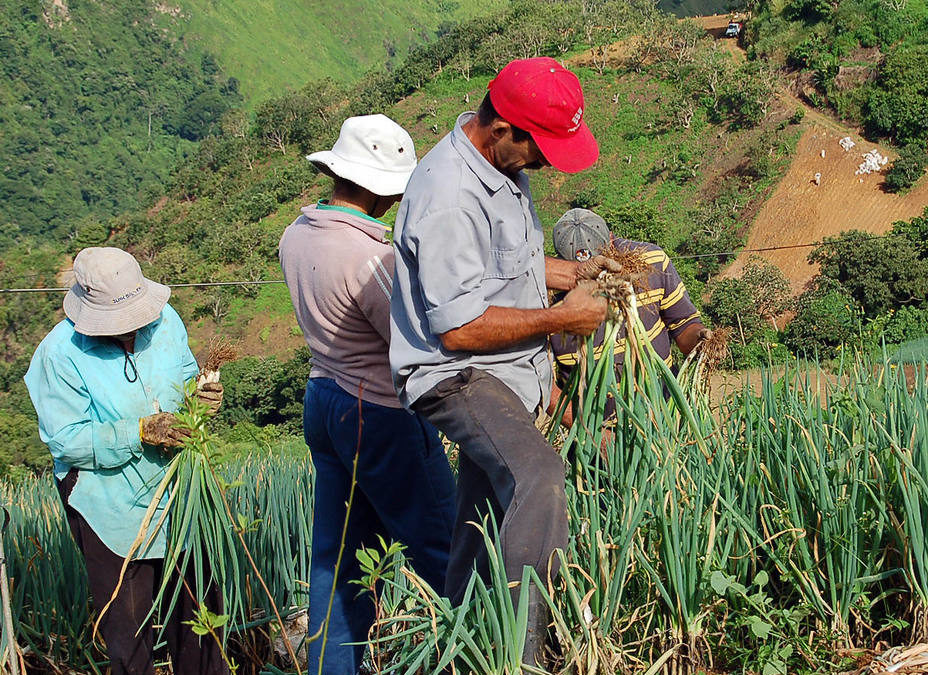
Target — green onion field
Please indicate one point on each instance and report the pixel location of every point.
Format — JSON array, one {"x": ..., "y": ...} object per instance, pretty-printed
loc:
[{"x": 777, "y": 534}]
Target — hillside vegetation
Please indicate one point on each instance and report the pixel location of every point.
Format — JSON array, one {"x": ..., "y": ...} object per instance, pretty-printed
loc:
[
  {"x": 693, "y": 140},
  {"x": 277, "y": 45},
  {"x": 865, "y": 59},
  {"x": 98, "y": 102}
]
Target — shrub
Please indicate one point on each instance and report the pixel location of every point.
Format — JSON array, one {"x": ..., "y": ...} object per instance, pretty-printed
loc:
[
  {"x": 264, "y": 391},
  {"x": 586, "y": 198},
  {"x": 826, "y": 318},
  {"x": 908, "y": 167},
  {"x": 638, "y": 222},
  {"x": 898, "y": 326},
  {"x": 765, "y": 349}
]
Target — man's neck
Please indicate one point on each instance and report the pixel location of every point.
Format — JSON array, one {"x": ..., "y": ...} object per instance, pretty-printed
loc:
[
  {"x": 481, "y": 139},
  {"x": 357, "y": 203}
]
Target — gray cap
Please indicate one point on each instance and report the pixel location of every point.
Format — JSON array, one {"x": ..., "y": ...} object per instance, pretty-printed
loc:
[
  {"x": 110, "y": 296},
  {"x": 580, "y": 234}
]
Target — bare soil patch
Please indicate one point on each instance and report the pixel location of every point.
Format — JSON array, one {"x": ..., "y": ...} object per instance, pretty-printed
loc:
[
  {"x": 715, "y": 26},
  {"x": 800, "y": 212}
]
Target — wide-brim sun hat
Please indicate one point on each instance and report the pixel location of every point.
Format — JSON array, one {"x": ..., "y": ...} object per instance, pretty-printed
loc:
[
  {"x": 110, "y": 295},
  {"x": 540, "y": 96},
  {"x": 372, "y": 151}
]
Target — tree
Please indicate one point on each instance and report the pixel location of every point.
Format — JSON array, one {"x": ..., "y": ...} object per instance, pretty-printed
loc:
[
  {"x": 746, "y": 303},
  {"x": 879, "y": 273},
  {"x": 730, "y": 305},
  {"x": 905, "y": 171},
  {"x": 898, "y": 105},
  {"x": 810, "y": 11},
  {"x": 199, "y": 117},
  {"x": 916, "y": 231},
  {"x": 768, "y": 288},
  {"x": 279, "y": 121},
  {"x": 826, "y": 317}
]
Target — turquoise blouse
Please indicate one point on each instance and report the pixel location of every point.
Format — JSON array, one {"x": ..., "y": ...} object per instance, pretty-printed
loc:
[{"x": 89, "y": 415}]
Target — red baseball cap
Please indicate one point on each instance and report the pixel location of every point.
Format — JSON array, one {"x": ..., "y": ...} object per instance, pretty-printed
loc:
[{"x": 545, "y": 99}]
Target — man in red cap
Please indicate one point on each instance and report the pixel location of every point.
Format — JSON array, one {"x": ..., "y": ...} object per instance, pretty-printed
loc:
[{"x": 470, "y": 315}]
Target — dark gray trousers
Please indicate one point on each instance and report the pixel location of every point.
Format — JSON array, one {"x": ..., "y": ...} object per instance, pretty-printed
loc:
[
  {"x": 126, "y": 630},
  {"x": 503, "y": 460}
]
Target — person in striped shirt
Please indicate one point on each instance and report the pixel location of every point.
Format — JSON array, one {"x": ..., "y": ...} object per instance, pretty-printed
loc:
[{"x": 663, "y": 302}]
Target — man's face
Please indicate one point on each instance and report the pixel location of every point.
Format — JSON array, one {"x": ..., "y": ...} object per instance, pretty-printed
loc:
[{"x": 512, "y": 156}]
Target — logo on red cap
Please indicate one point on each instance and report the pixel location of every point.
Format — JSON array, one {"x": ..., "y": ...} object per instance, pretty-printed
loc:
[
  {"x": 545, "y": 99},
  {"x": 576, "y": 120}
]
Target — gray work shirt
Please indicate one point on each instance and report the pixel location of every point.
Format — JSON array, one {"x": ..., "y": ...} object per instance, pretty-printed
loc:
[{"x": 466, "y": 238}]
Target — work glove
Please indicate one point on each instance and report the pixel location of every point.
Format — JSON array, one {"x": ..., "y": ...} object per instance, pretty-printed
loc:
[
  {"x": 159, "y": 429},
  {"x": 210, "y": 394},
  {"x": 592, "y": 268}
]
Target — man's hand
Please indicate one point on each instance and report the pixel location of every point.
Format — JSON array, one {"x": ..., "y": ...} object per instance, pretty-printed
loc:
[
  {"x": 584, "y": 310},
  {"x": 210, "y": 394},
  {"x": 705, "y": 334},
  {"x": 159, "y": 429},
  {"x": 592, "y": 268}
]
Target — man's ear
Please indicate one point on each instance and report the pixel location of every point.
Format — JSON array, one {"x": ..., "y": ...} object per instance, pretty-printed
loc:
[{"x": 499, "y": 128}]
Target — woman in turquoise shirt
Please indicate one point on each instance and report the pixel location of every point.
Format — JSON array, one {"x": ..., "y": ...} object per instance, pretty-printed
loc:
[{"x": 104, "y": 383}]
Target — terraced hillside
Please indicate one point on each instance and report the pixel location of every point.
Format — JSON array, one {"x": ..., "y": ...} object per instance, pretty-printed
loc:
[{"x": 801, "y": 211}]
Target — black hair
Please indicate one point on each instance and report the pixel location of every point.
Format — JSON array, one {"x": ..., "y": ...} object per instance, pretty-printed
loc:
[
  {"x": 486, "y": 115},
  {"x": 345, "y": 186}
]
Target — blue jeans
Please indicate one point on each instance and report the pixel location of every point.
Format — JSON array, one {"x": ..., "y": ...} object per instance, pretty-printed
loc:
[{"x": 405, "y": 492}]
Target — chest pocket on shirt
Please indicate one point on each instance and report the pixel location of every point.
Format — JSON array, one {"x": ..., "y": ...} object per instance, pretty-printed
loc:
[{"x": 508, "y": 263}]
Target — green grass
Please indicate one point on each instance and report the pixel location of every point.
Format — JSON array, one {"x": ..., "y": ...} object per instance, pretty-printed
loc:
[
  {"x": 274, "y": 45},
  {"x": 626, "y": 112}
]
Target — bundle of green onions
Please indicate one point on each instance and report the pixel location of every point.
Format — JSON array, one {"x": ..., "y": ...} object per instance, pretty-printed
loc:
[
  {"x": 645, "y": 372},
  {"x": 204, "y": 537},
  {"x": 631, "y": 480}
]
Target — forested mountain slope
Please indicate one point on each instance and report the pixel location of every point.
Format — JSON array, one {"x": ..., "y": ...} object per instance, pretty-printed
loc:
[
  {"x": 99, "y": 100},
  {"x": 273, "y": 45}
]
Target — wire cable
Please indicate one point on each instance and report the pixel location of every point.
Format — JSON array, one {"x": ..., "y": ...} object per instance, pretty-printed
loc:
[
  {"x": 202, "y": 284},
  {"x": 693, "y": 256}
]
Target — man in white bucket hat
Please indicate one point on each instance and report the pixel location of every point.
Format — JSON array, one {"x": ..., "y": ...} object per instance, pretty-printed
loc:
[
  {"x": 104, "y": 383},
  {"x": 338, "y": 264}
]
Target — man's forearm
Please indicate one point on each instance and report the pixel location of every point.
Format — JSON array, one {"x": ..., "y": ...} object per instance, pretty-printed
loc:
[
  {"x": 502, "y": 327},
  {"x": 560, "y": 275},
  {"x": 689, "y": 337},
  {"x": 567, "y": 418}
]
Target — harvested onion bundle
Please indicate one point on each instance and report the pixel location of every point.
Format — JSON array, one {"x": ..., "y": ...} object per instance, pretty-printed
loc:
[{"x": 201, "y": 530}]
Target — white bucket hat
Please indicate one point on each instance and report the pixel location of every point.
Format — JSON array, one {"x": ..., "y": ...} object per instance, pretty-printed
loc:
[
  {"x": 110, "y": 296},
  {"x": 372, "y": 151}
]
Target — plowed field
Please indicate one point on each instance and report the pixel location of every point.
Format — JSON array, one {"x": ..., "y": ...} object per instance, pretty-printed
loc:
[{"x": 800, "y": 212}]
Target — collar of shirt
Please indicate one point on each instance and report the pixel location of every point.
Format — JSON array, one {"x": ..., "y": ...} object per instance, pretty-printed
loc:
[
  {"x": 89, "y": 343},
  {"x": 322, "y": 212},
  {"x": 488, "y": 174}
]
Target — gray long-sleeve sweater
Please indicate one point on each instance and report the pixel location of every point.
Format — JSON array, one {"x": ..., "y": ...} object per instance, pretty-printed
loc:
[{"x": 338, "y": 266}]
